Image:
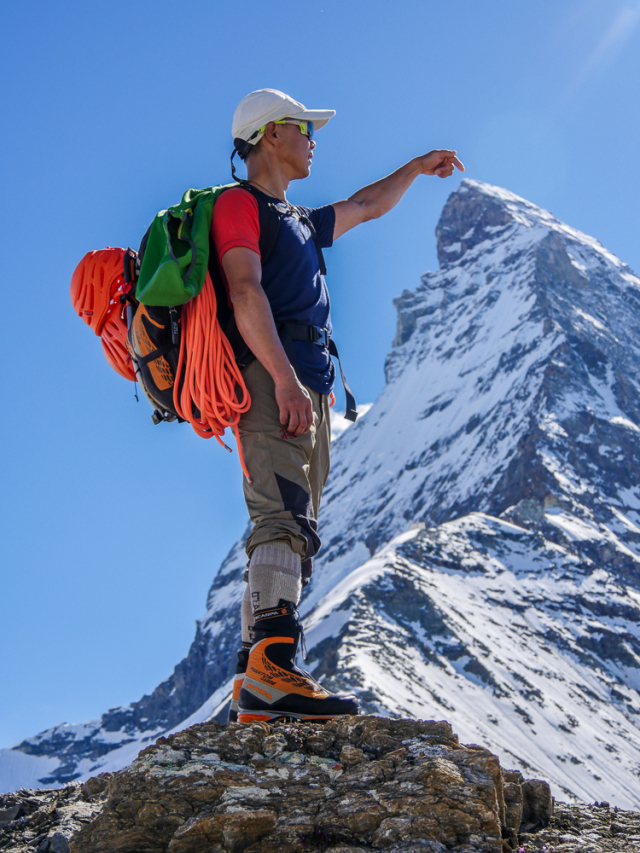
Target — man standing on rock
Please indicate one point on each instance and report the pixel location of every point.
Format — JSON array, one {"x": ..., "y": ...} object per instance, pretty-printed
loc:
[{"x": 281, "y": 308}]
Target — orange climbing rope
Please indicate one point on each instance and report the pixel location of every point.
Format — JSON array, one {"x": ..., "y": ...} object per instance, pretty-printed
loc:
[{"x": 213, "y": 383}]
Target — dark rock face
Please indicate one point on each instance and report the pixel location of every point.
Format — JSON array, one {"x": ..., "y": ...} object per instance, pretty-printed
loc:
[
  {"x": 359, "y": 783},
  {"x": 582, "y": 311},
  {"x": 45, "y": 820},
  {"x": 580, "y": 828},
  {"x": 467, "y": 221},
  {"x": 208, "y": 664}
]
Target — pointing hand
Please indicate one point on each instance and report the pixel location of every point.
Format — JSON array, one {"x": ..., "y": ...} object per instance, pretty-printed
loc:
[{"x": 440, "y": 162}]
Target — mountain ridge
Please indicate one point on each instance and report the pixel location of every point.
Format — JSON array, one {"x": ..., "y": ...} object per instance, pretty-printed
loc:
[{"x": 499, "y": 464}]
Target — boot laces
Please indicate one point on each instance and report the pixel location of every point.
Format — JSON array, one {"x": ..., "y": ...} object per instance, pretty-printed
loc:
[{"x": 303, "y": 641}]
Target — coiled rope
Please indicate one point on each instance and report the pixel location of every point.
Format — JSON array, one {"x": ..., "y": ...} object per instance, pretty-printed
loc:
[{"x": 212, "y": 382}]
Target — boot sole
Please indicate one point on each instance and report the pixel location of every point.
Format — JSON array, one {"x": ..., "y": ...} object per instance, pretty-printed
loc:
[{"x": 262, "y": 717}]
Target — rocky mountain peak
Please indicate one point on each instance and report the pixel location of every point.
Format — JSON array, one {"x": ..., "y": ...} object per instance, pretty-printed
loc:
[{"x": 472, "y": 214}]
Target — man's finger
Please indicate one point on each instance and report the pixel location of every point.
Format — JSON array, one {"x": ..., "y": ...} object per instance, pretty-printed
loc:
[
  {"x": 450, "y": 157},
  {"x": 305, "y": 419},
  {"x": 293, "y": 422},
  {"x": 445, "y": 171}
]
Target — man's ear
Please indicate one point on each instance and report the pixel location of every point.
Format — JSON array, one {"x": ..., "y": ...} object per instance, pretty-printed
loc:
[{"x": 271, "y": 131}]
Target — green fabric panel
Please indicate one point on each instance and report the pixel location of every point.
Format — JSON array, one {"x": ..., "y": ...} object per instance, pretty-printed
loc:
[{"x": 169, "y": 274}]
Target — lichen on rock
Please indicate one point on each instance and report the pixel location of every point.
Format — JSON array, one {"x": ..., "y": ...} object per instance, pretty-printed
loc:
[{"x": 356, "y": 783}]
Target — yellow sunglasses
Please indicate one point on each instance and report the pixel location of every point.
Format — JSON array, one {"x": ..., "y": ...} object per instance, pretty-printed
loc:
[{"x": 306, "y": 127}]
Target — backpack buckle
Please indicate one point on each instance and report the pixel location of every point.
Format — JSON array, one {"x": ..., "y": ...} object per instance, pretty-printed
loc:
[{"x": 130, "y": 267}]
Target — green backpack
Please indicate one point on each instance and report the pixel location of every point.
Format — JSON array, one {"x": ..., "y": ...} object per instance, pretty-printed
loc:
[
  {"x": 174, "y": 258},
  {"x": 172, "y": 262},
  {"x": 176, "y": 251}
]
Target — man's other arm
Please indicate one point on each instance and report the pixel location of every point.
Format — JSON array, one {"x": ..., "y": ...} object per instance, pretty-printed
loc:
[
  {"x": 254, "y": 318},
  {"x": 375, "y": 200}
]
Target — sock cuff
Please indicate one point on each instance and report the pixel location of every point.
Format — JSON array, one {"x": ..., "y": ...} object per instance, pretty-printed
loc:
[
  {"x": 269, "y": 584},
  {"x": 277, "y": 555},
  {"x": 274, "y": 573}
]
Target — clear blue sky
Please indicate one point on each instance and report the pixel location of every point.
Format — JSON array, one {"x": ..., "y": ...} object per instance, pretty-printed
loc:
[{"x": 112, "y": 529}]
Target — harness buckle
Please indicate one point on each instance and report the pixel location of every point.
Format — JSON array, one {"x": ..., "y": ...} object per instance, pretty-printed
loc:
[{"x": 319, "y": 336}]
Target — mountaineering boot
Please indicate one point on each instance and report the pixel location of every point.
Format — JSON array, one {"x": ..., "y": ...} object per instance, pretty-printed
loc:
[
  {"x": 241, "y": 668},
  {"x": 273, "y": 685}
]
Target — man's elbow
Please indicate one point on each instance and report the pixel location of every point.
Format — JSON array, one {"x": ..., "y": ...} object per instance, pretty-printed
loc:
[
  {"x": 367, "y": 210},
  {"x": 243, "y": 291},
  {"x": 374, "y": 211}
]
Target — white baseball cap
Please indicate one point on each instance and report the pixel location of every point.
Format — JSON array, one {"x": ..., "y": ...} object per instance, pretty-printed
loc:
[{"x": 265, "y": 105}]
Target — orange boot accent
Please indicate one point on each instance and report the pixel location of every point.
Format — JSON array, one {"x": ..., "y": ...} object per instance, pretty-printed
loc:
[
  {"x": 273, "y": 678},
  {"x": 235, "y": 695},
  {"x": 274, "y": 688},
  {"x": 238, "y": 680}
]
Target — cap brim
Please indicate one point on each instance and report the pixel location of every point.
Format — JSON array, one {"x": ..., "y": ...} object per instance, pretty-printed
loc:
[{"x": 318, "y": 117}]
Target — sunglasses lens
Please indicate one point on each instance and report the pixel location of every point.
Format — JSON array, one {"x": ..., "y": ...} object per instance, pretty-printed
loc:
[{"x": 306, "y": 127}]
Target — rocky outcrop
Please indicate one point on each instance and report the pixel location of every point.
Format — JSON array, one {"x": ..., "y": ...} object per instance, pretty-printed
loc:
[
  {"x": 596, "y": 828},
  {"x": 47, "y": 821},
  {"x": 353, "y": 785},
  {"x": 357, "y": 783}
]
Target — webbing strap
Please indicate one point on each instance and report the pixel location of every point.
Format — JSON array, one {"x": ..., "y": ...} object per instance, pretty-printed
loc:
[
  {"x": 351, "y": 414},
  {"x": 311, "y": 334},
  {"x": 157, "y": 353},
  {"x": 320, "y": 337},
  {"x": 314, "y": 236}
]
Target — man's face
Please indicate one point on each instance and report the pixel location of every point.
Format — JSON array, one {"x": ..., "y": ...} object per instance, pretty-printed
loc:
[{"x": 295, "y": 151}]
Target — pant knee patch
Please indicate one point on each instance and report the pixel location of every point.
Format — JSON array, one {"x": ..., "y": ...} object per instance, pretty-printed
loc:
[{"x": 297, "y": 501}]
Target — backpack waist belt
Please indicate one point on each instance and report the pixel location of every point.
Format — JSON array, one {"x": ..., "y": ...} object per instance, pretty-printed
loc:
[{"x": 320, "y": 336}]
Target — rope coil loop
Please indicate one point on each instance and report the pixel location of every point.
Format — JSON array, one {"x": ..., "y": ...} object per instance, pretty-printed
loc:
[{"x": 212, "y": 382}]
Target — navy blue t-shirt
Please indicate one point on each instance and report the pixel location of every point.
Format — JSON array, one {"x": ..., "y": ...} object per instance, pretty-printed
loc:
[{"x": 291, "y": 278}]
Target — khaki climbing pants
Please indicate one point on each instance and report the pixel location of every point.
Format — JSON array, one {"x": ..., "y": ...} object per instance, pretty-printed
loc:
[{"x": 288, "y": 472}]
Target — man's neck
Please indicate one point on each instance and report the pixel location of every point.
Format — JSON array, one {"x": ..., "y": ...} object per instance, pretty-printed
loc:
[{"x": 268, "y": 178}]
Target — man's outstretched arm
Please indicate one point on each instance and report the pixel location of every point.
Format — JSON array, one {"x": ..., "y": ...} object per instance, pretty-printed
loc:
[{"x": 377, "y": 199}]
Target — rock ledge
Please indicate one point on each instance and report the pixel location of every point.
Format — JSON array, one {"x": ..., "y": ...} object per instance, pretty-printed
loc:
[
  {"x": 357, "y": 784},
  {"x": 354, "y": 784}
]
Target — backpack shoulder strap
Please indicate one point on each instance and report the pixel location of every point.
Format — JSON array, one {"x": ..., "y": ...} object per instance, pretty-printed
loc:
[
  {"x": 269, "y": 219},
  {"x": 314, "y": 236}
]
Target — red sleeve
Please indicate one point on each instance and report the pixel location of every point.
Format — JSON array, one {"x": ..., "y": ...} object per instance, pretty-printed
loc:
[{"x": 235, "y": 221}]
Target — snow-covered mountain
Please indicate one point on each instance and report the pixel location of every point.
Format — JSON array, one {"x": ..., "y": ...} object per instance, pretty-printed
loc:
[{"x": 481, "y": 525}]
